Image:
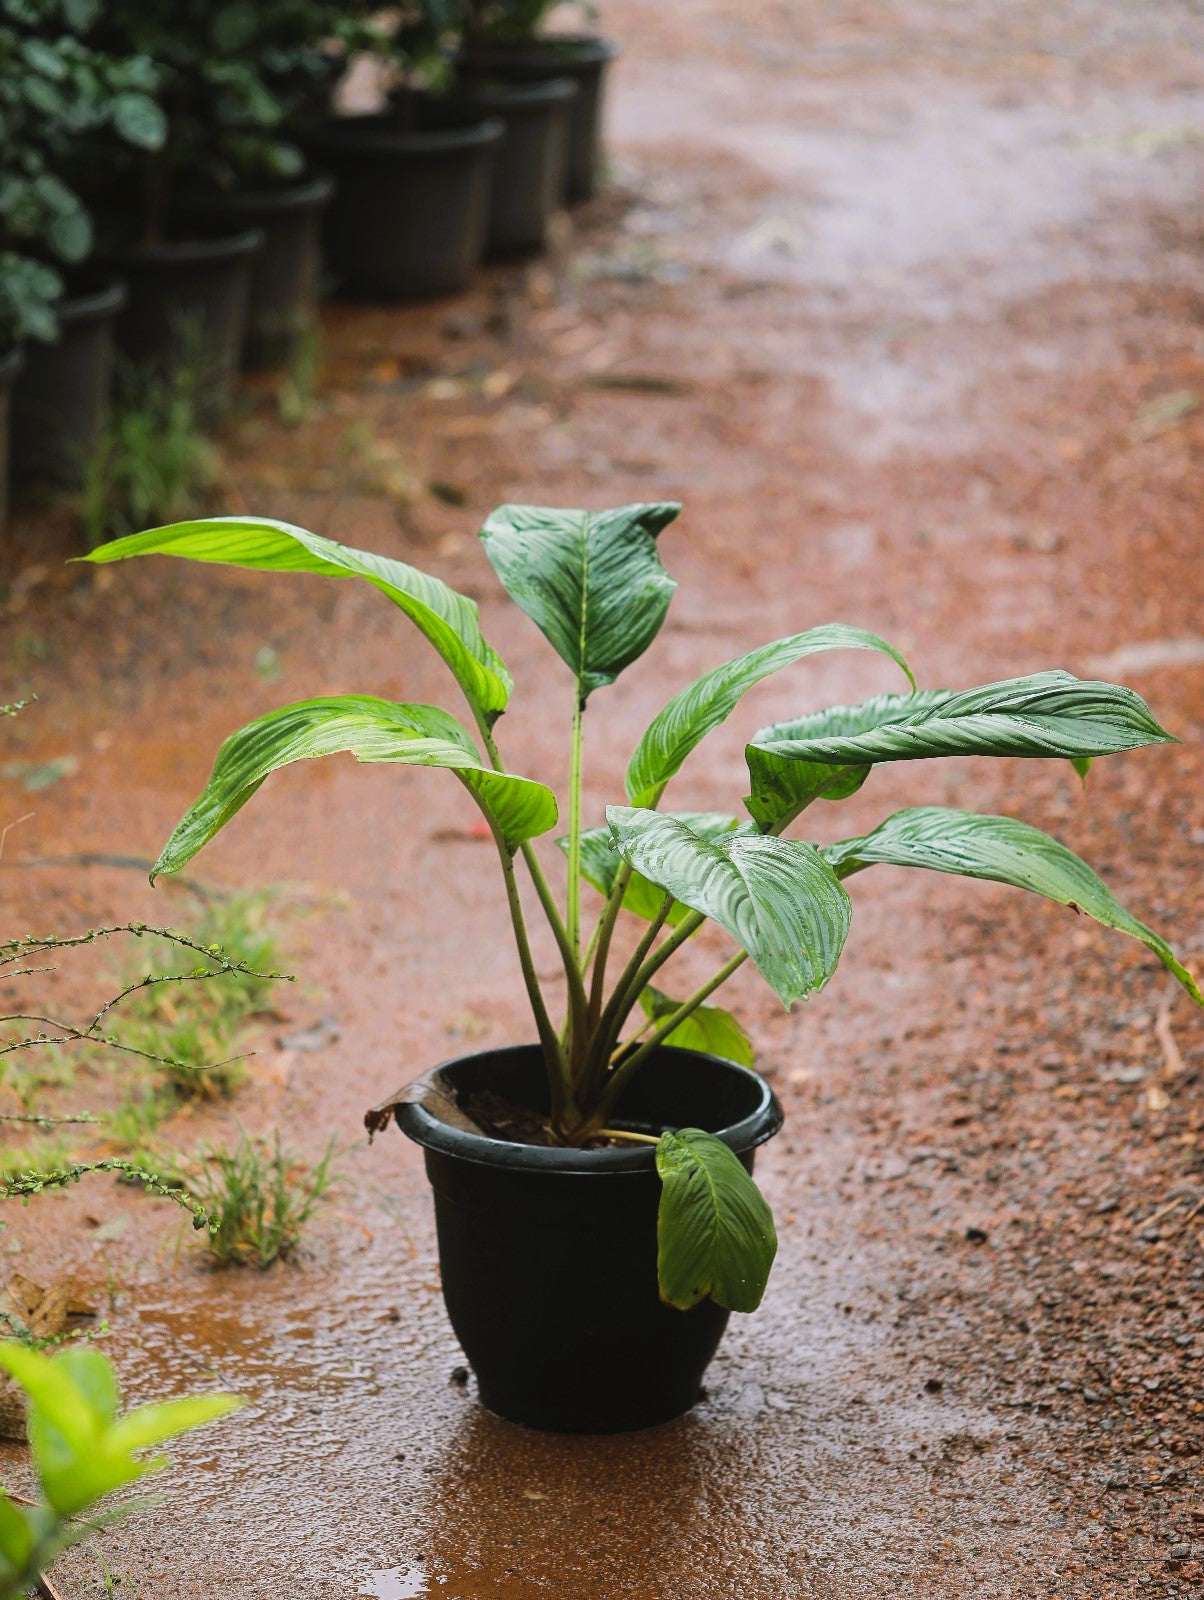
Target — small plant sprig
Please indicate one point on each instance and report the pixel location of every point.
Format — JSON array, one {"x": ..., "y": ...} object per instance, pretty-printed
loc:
[
  {"x": 594, "y": 585},
  {"x": 83, "y": 1448}
]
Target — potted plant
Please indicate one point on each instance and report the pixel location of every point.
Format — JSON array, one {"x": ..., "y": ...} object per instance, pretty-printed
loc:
[
  {"x": 244, "y": 168},
  {"x": 595, "y": 1209},
  {"x": 411, "y": 208},
  {"x": 503, "y": 41},
  {"x": 54, "y": 89}
]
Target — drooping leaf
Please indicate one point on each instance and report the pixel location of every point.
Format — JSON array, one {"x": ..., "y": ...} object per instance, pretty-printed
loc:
[
  {"x": 778, "y": 898},
  {"x": 591, "y": 581},
  {"x": 600, "y": 862},
  {"x": 448, "y": 619},
  {"x": 708, "y": 1028},
  {"x": 1001, "y": 850},
  {"x": 1046, "y": 714},
  {"x": 714, "y": 1231},
  {"x": 371, "y": 730},
  {"x": 674, "y": 732}
]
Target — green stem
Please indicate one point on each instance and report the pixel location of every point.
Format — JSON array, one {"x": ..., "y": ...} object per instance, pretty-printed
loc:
[
  {"x": 573, "y": 919},
  {"x": 623, "y": 1073},
  {"x": 625, "y": 1133},
  {"x": 602, "y": 937},
  {"x": 627, "y": 991},
  {"x": 559, "y": 1081}
]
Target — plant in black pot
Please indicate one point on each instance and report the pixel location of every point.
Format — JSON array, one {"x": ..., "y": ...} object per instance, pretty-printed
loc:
[
  {"x": 596, "y": 1214},
  {"x": 55, "y": 89},
  {"x": 504, "y": 42},
  {"x": 411, "y": 208}
]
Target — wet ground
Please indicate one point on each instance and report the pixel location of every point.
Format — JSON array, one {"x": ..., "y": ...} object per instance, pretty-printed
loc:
[{"x": 905, "y": 301}]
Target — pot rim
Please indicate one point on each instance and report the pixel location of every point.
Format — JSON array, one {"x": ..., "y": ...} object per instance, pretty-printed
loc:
[
  {"x": 94, "y": 302},
  {"x": 425, "y": 1129},
  {"x": 574, "y": 49},
  {"x": 313, "y": 190},
  {"x": 372, "y": 134},
  {"x": 497, "y": 97},
  {"x": 186, "y": 252}
]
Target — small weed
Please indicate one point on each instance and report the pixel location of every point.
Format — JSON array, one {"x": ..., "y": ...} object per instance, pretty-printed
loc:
[
  {"x": 39, "y": 1155},
  {"x": 152, "y": 464},
  {"x": 259, "y": 1199},
  {"x": 197, "y": 1025},
  {"x": 295, "y": 397}
]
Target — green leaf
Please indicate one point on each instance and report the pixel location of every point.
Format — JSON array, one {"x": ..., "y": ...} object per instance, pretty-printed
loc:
[
  {"x": 371, "y": 730},
  {"x": 708, "y": 1028},
  {"x": 704, "y": 704},
  {"x": 591, "y": 581},
  {"x": 714, "y": 1231},
  {"x": 448, "y": 619},
  {"x": 600, "y": 862},
  {"x": 1046, "y": 714},
  {"x": 139, "y": 120},
  {"x": 778, "y": 898},
  {"x": 1001, "y": 850}
]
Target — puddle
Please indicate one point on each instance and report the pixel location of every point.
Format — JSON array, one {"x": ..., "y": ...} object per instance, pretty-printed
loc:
[{"x": 394, "y": 1583}]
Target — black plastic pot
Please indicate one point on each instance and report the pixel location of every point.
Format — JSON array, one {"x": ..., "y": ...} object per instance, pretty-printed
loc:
[
  {"x": 61, "y": 399},
  {"x": 283, "y": 303},
  {"x": 581, "y": 57},
  {"x": 411, "y": 208},
  {"x": 530, "y": 170},
  {"x": 186, "y": 314},
  {"x": 548, "y": 1256},
  {"x": 10, "y": 366}
]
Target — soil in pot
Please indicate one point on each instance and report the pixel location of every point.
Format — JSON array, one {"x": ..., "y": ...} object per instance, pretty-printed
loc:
[
  {"x": 580, "y": 57},
  {"x": 530, "y": 171},
  {"x": 10, "y": 366},
  {"x": 411, "y": 206},
  {"x": 548, "y": 1255},
  {"x": 186, "y": 314},
  {"x": 61, "y": 399},
  {"x": 285, "y": 274}
]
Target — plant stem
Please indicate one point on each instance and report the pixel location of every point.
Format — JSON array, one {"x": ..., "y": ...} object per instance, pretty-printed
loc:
[
  {"x": 624, "y": 1133},
  {"x": 602, "y": 935},
  {"x": 623, "y": 997},
  {"x": 559, "y": 1081},
  {"x": 623, "y": 1073},
  {"x": 573, "y": 919}
]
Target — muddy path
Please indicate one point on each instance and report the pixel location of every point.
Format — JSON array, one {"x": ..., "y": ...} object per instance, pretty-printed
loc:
[{"x": 905, "y": 301}]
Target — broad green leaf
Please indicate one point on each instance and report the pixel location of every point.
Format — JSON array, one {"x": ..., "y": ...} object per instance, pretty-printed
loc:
[
  {"x": 165, "y": 1419},
  {"x": 714, "y": 1231},
  {"x": 600, "y": 862},
  {"x": 591, "y": 581},
  {"x": 1047, "y": 714},
  {"x": 708, "y": 1028},
  {"x": 449, "y": 620},
  {"x": 1001, "y": 850},
  {"x": 674, "y": 732},
  {"x": 370, "y": 730},
  {"x": 778, "y": 898}
]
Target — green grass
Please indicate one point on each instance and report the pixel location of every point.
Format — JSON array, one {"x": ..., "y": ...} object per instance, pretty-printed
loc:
[{"x": 259, "y": 1198}]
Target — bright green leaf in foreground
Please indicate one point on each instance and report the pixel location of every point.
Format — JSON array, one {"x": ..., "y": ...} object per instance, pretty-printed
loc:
[
  {"x": 714, "y": 1231},
  {"x": 448, "y": 619},
  {"x": 600, "y": 863},
  {"x": 778, "y": 898},
  {"x": 370, "y": 730},
  {"x": 1001, "y": 850}
]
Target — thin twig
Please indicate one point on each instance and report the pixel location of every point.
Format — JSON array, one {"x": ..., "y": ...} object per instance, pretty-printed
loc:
[{"x": 1171, "y": 1054}]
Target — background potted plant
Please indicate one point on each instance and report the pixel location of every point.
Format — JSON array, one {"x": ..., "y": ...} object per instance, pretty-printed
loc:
[
  {"x": 54, "y": 89},
  {"x": 503, "y": 40},
  {"x": 411, "y": 209},
  {"x": 595, "y": 1211}
]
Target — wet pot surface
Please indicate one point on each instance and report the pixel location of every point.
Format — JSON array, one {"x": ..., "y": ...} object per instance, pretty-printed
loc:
[{"x": 548, "y": 1256}]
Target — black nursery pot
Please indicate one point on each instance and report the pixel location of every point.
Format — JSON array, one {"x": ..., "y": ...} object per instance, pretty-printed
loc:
[
  {"x": 61, "y": 399},
  {"x": 530, "y": 169},
  {"x": 286, "y": 271},
  {"x": 548, "y": 1256},
  {"x": 411, "y": 207},
  {"x": 10, "y": 366},
  {"x": 186, "y": 314},
  {"x": 579, "y": 57}
]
